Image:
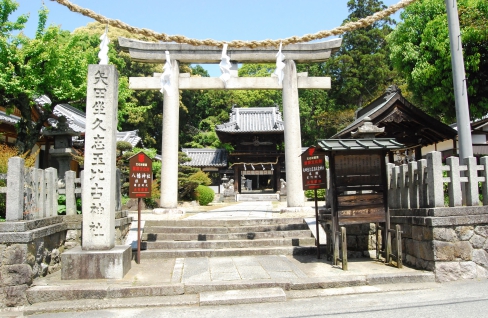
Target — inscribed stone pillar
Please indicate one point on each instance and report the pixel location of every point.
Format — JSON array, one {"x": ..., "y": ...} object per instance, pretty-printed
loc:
[
  {"x": 169, "y": 149},
  {"x": 293, "y": 143},
  {"x": 100, "y": 170}
]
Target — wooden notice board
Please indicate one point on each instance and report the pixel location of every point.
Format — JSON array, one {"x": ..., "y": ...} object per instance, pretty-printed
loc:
[
  {"x": 140, "y": 176},
  {"x": 359, "y": 185}
]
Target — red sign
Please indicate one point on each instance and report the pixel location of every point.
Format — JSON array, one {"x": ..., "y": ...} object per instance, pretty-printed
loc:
[
  {"x": 313, "y": 170},
  {"x": 140, "y": 176}
]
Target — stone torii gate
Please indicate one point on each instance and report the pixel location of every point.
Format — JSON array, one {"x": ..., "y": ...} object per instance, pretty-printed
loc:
[{"x": 151, "y": 52}]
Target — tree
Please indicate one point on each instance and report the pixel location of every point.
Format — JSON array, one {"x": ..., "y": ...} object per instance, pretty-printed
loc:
[
  {"x": 361, "y": 69},
  {"x": 420, "y": 51},
  {"x": 54, "y": 64}
]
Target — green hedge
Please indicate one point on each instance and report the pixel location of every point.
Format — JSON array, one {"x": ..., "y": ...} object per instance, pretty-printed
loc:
[
  {"x": 311, "y": 195},
  {"x": 204, "y": 195}
]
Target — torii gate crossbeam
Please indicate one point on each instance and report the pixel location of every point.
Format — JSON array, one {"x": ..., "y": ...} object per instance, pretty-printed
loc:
[{"x": 155, "y": 53}]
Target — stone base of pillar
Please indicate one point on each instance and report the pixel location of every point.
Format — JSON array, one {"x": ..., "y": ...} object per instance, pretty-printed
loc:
[
  {"x": 168, "y": 211},
  {"x": 107, "y": 264},
  {"x": 298, "y": 209}
]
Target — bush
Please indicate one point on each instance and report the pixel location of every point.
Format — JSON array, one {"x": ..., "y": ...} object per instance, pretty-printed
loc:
[
  {"x": 200, "y": 177},
  {"x": 204, "y": 195},
  {"x": 311, "y": 194}
]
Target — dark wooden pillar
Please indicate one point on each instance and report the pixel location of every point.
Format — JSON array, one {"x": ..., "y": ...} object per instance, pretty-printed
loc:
[
  {"x": 418, "y": 153},
  {"x": 237, "y": 179}
]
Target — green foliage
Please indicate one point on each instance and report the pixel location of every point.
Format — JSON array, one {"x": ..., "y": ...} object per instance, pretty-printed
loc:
[
  {"x": 54, "y": 64},
  {"x": 186, "y": 187},
  {"x": 62, "y": 205},
  {"x": 201, "y": 178},
  {"x": 204, "y": 195},
  {"x": 361, "y": 69},
  {"x": 123, "y": 146},
  {"x": 311, "y": 194},
  {"x": 420, "y": 51}
]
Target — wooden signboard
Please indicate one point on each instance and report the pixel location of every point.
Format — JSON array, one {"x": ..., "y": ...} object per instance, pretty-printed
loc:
[
  {"x": 313, "y": 170},
  {"x": 359, "y": 186},
  {"x": 140, "y": 176}
]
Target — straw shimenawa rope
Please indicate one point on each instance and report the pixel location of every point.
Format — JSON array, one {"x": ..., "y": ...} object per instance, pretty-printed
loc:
[{"x": 348, "y": 27}]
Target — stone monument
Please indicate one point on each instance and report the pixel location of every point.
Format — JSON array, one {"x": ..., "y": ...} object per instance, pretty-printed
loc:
[{"x": 98, "y": 257}]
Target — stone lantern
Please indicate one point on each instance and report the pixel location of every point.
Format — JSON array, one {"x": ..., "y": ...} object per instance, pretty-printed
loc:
[{"x": 63, "y": 151}]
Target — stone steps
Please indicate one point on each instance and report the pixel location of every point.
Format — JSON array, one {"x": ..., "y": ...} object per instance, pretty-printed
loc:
[
  {"x": 151, "y": 237},
  {"x": 223, "y": 223},
  {"x": 258, "y": 197},
  {"x": 214, "y": 238},
  {"x": 222, "y": 252},
  {"x": 73, "y": 297},
  {"x": 221, "y": 244},
  {"x": 148, "y": 229}
]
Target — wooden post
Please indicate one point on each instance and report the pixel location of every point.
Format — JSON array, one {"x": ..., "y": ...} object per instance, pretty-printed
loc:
[
  {"x": 399, "y": 246},
  {"x": 344, "y": 248},
  {"x": 139, "y": 230},
  {"x": 317, "y": 240}
]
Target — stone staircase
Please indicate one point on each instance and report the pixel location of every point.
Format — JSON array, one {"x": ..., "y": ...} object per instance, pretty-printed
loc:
[
  {"x": 214, "y": 238},
  {"x": 257, "y": 197}
]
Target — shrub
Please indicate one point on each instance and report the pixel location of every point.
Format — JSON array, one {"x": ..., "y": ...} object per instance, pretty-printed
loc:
[
  {"x": 200, "y": 177},
  {"x": 311, "y": 194},
  {"x": 204, "y": 194}
]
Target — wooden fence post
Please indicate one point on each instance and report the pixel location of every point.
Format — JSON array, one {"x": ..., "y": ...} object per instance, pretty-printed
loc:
[{"x": 15, "y": 189}]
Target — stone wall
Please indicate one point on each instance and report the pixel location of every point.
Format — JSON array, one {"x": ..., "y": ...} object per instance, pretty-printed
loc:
[
  {"x": 28, "y": 250},
  {"x": 452, "y": 242},
  {"x": 31, "y": 249}
]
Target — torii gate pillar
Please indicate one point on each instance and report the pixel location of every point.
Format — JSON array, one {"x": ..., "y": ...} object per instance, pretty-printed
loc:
[
  {"x": 169, "y": 147},
  {"x": 293, "y": 143}
]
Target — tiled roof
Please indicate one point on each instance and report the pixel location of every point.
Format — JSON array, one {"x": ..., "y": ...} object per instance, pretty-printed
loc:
[
  {"x": 204, "y": 157},
  {"x": 358, "y": 144},
  {"x": 255, "y": 119},
  {"x": 77, "y": 122},
  {"x": 8, "y": 119},
  {"x": 129, "y": 136},
  {"x": 76, "y": 118}
]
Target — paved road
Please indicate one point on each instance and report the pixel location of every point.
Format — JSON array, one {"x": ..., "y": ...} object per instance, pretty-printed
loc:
[{"x": 457, "y": 299}]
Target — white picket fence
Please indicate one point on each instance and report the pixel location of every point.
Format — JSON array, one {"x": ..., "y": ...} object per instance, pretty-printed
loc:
[
  {"x": 420, "y": 184},
  {"x": 33, "y": 193}
]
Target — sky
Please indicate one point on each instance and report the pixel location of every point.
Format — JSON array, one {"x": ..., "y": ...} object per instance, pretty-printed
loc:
[{"x": 221, "y": 20}]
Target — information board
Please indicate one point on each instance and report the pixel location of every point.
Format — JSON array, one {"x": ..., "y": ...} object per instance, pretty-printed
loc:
[
  {"x": 140, "y": 176},
  {"x": 313, "y": 170}
]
